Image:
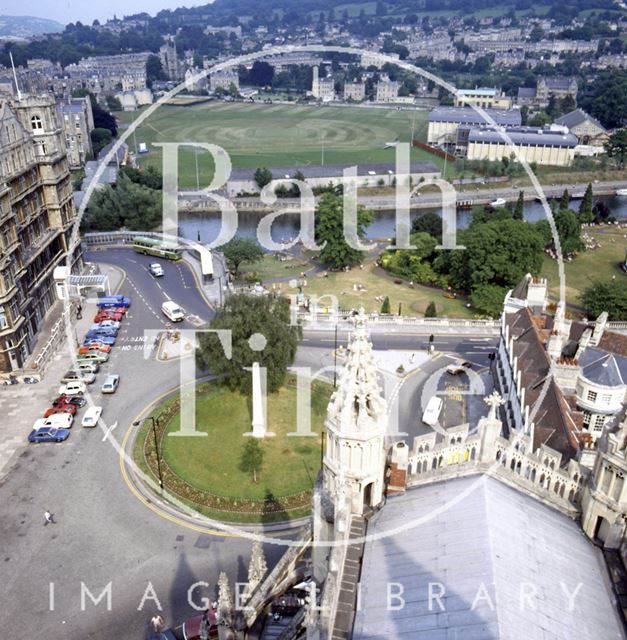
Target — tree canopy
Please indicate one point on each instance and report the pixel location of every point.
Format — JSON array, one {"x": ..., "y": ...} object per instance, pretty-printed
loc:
[
  {"x": 238, "y": 251},
  {"x": 246, "y": 315},
  {"x": 337, "y": 253},
  {"x": 607, "y": 296}
]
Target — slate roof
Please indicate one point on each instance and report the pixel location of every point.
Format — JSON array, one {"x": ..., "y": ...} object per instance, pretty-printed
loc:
[
  {"x": 577, "y": 117},
  {"x": 526, "y": 92},
  {"x": 523, "y": 135},
  {"x": 472, "y": 534},
  {"x": 555, "y": 425},
  {"x": 467, "y": 115},
  {"x": 603, "y": 368}
]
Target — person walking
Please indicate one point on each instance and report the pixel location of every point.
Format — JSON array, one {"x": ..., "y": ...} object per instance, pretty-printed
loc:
[
  {"x": 157, "y": 623},
  {"x": 48, "y": 518}
]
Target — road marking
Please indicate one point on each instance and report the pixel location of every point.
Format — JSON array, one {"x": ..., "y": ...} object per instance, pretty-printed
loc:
[{"x": 109, "y": 430}]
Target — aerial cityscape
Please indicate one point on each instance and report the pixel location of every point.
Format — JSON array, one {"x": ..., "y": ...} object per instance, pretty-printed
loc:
[{"x": 313, "y": 320}]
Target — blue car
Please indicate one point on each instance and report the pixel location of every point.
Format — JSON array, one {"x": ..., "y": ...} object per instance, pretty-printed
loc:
[
  {"x": 113, "y": 301},
  {"x": 48, "y": 434},
  {"x": 94, "y": 336}
]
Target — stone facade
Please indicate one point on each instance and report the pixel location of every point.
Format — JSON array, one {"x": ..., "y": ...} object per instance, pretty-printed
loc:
[
  {"x": 78, "y": 122},
  {"x": 387, "y": 91},
  {"x": 355, "y": 91},
  {"x": 36, "y": 216}
]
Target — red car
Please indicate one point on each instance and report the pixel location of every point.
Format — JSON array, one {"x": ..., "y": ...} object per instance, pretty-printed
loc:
[
  {"x": 61, "y": 408},
  {"x": 62, "y": 401},
  {"x": 94, "y": 346},
  {"x": 191, "y": 627},
  {"x": 108, "y": 315}
]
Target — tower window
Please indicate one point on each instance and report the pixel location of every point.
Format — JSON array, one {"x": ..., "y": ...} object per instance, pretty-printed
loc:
[{"x": 36, "y": 123}]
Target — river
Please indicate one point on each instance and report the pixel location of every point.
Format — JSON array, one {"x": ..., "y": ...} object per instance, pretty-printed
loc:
[{"x": 206, "y": 226}]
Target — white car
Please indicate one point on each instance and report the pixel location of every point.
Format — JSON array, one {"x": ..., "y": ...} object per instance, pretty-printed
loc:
[
  {"x": 91, "y": 417},
  {"x": 111, "y": 383},
  {"x": 75, "y": 388},
  {"x": 55, "y": 421},
  {"x": 156, "y": 269}
]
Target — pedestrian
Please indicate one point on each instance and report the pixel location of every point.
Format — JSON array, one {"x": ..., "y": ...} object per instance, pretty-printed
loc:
[
  {"x": 49, "y": 518},
  {"x": 79, "y": 312},
  {"x": 157, "y": 623}
]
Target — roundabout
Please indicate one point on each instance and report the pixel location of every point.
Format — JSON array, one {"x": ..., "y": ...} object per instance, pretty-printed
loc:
[{"x": 210, "y": 475}]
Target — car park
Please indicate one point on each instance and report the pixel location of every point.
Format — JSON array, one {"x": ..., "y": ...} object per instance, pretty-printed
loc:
[
  {"x": 57, "y": 421},
  {"x": 48, "y": 434},
  {"x": 156, "y": 269},
  {"x": 83, "y": 376},
  {"x": 62, "y": 408},
  {"x": 105, "y": 324},
  {"x": 93, "y": 356},
  {"x": 91, "y": 417},
  {"x": 111, "y": 383},
  {"x": 94, "y": 346},
  {"x": 106, "y": 336},
  {"x": 75, "y": 388},
  {"x": 79, "y": 401}
]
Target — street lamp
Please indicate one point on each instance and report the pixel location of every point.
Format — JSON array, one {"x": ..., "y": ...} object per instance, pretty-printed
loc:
[{"x": 155, "y": 422}]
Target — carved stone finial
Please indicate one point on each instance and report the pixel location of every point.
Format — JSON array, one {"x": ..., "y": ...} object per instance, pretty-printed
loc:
[
  {"x": 494, "y": 401},
  {"x": 225, "y": 601},
  {"x": 257, "y": 567}
]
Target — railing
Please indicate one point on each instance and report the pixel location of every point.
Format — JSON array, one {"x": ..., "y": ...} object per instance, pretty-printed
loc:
[
  {"x": 616, "y": 325},
  {"x": 44, "y": 356}
]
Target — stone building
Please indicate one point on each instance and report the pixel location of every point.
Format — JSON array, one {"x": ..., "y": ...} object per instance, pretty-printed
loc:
[
  {"x": 387, "y": 91},
  {"x": 78, "y": 122},
  {"x": 36, "y": 216},
  {"x": 224, "y": 80},
  {"x": 355, "y": 91},
  {"x": 589, "y": 131},
  {"x": 538, "y": 96},
  {"x": 322, "y": 88},
  {"x": 486, "y": 98},
  {"x": 169, "y": 59}
]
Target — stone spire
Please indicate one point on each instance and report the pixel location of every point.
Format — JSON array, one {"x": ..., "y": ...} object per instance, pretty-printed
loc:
[
  {"x": 225, "y": 600},
  {"x": 257, "y": 567}
]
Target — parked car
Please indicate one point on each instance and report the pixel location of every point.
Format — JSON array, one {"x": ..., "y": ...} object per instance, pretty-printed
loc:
[
  {"x": 111, "y": 383},
  {"x": 156, "y": 269},
  {"x": 95, "y": 345},
  {"x": 56, "y": 421},
  {"x": 105, "y": 324},
  {"x": 78, "y": 401},
  {"x": 62, "y": 408},
  {"x": 84, "y": 376},
  {"x": 75, "y": 388},
  {"x": 191, "y": 627},
  {"x": 48, "y": 434},
  {"x": 91, "y": 417},
  {"x": 112, "y": 302},
  {"x": 88, "y": 367},
  {"x": 93, "y": 356},
  {"x": 108, "y": 314},
  {"x": 106, "y": 336}
]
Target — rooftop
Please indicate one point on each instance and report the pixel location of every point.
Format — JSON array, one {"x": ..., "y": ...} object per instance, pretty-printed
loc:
[
  {"x": 577, "y": 117},
  {"x": 481, "y": 543},
  {"x": 468, "y": 115},
  {"x": 523, "y": 135}
]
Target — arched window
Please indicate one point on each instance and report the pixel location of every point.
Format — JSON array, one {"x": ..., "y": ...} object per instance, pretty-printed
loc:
[{"x": 36, "y": 123}]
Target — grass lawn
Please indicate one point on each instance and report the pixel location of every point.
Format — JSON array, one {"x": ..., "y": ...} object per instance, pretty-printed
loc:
[
  {"x": 269, "y": 267},
  {"x": 414, "y": 300},
  {"x": 278, "y": 135},
  {"x": 212, "y": 464},
  {"x": 590, "y": 266}
]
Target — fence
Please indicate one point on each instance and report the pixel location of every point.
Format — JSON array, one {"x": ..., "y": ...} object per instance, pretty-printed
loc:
[{"x": 41, "y": 361}]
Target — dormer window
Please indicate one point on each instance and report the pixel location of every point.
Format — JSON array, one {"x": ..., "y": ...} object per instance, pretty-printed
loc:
[{"x": 36, "y": 123}]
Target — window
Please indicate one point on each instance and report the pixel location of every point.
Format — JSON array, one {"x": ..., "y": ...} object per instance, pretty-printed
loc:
[
  {"x": 36, "y": 123},
  {"x": 606, "y": 398},
  {"x": 15, "y": 314},
  {"x": 592, "y": 396},
  {"x": 4, "y": 324},
  {"x": 599, "y": 422},
  {"x": 586, "y": 418}
]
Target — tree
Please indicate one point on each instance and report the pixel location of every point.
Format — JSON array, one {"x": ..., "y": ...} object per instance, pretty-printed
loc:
[
  {"x": 263, "y": 176},
  {"x": 431, "y": 311},
  {"x": 154, "y": 70},
  {"x": 607, "y": 296},
  {"x": 489, "y": 299},
  {"x": 261, "y": 74},
  {"x": 568, "y": 231},
  {"x": 113, "y": 103},
  {"x": 430, "y": 223},
  {"x": 252, "y": 458},
  {"x": 238, "y": 251},
  {"x": 519, "y": 210},
  {"x": 337, "y": 253},
  {"x": 565, "y": 201},
  {"x": 568, "y": 104},
  {"x": 244, "y": 316},
  {"x": 385, "y": 307},
  {"x": 100, "y": 138},
  {"x": 606, "y": 98},
  {"x": 539, "y": 119},
  {"x": 616, "y": 146},
  {"x": 586, "y": 216}
]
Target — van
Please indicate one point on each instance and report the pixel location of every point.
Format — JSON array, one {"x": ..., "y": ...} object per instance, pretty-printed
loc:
[
  {"x": 113, "y": 301},
  {"x": 432, "y": 412},
  {"x": 172, "y": 311}
]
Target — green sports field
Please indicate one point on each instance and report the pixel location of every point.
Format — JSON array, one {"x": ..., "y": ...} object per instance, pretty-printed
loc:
[{"x": 257, "y": 135}]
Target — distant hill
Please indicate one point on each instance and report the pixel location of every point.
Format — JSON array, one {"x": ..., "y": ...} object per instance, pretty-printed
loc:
[{"x": 27, "y": 26}]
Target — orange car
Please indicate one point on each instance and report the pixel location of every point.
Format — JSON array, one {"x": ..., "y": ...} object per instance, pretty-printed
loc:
[
  {"x": 94, "y": 346},
  {"x": 62, "y": 408}
]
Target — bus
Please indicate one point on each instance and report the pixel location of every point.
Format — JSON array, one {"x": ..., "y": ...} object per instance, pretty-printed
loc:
[
  {"x": 432, "y": 412},
  {"x": 156, "y": 247}
]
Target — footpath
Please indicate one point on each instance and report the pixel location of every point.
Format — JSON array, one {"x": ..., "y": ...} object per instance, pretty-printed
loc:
[{"x": 21, "y": 404}]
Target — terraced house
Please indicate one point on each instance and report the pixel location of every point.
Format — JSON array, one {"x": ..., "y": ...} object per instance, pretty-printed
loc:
[{"x": 36, "y": 216}]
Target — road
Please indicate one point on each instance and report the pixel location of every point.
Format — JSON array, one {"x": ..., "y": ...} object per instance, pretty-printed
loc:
[{"x": 105, "y": 535}]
